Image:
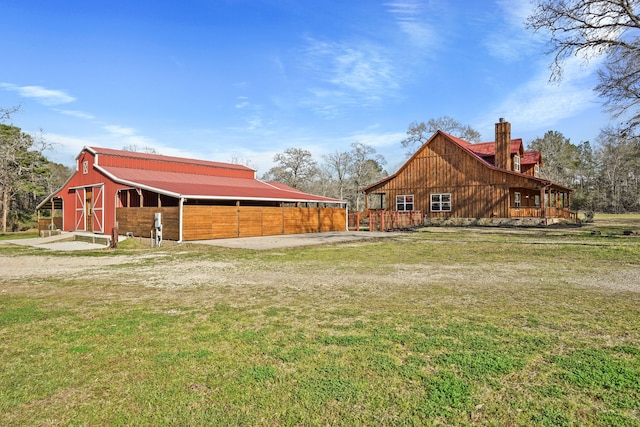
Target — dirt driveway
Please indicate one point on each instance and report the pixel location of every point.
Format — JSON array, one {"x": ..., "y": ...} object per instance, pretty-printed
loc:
[{"x": 296, "y": 240}]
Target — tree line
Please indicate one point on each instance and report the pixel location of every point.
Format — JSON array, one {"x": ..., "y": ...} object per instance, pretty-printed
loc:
[
  {"x": 340, "y": 174},
  {"x": 605, "y": 178},
  {"x": 26, "y": 175}
]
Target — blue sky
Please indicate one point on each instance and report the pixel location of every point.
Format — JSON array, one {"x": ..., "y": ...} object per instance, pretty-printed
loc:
[{"x": 246, "y": 79}]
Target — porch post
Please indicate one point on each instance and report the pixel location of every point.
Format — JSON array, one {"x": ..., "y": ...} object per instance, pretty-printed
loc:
[{"x": 180, "y": 218}]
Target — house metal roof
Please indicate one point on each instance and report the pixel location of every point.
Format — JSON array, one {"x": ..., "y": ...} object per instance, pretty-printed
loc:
[{"x": 489, "y": 148}]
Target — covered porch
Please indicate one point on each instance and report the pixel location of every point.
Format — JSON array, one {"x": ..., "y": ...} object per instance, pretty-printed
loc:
[{"x": 549, "y": 202}]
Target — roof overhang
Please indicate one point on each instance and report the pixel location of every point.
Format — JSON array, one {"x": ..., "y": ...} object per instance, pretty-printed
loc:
[{"x": 166, "y": 192}]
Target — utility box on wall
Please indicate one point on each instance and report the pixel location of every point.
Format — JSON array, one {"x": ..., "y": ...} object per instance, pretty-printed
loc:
[{"x": 157, "y": 229}]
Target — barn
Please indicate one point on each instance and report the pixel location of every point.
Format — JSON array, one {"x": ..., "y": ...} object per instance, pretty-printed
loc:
[
  {"x": 196, "y": 199},
  {"x": 451, "y": 178}
]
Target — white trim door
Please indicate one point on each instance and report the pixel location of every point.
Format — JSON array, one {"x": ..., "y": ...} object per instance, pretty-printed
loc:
[
  {"x": 97, "y": 215},
  {"x": 81, "y": 223}
]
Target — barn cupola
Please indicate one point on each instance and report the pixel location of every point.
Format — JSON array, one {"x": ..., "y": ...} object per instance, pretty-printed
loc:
[{"x": 503, "y": 144}]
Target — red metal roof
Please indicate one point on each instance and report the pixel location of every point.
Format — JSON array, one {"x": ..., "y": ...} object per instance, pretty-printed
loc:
[
  {"x": 124, "y": 154},
  {"x": 487, "y": 149},
  {"x": 180, "y": 184},
  {"x": 531, "y": 158}
]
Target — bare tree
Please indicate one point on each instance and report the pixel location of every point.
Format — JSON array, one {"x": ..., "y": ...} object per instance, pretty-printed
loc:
[
  {"x": 366, "y": 168},
  {"x": 590, "y": 29},
  {"x": 619, "y": 172},
  {"x": 339, "y": 165},
  {"x": 146, "y": 149},
  {"x": 419, "y": 132},
  {"x": 5, "y": 113},
  {"x": 237, "y": 160},
  {"x": 295, "y": 167}
]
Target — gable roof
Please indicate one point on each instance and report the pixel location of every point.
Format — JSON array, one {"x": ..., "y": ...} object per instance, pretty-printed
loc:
[
  {"x": 531, "y": 158},
  {"x": 467, "y": 146},
  {"x": 134, "y": 155},
  {"x": 192, "y": 178}
]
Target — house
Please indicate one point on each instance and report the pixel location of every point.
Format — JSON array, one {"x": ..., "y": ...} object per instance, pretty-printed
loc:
[
  {"x": 451, "y": 178},
  {"x": 196, "y": 199}
]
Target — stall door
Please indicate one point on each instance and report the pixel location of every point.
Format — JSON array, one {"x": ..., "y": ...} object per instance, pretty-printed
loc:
[
  {"x": 88, "y": 205},
  {"x": 97, "y": 217},
  {"x": 80, "y": 216}
]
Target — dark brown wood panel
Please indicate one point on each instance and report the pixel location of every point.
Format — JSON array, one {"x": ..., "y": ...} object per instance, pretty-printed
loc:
[{"x": 139, "y": 221}]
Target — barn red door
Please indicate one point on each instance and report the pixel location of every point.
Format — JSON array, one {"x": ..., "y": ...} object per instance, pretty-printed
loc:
[
  {"x": 97, "y": 215},
  {"x": 81, "y": 224}
]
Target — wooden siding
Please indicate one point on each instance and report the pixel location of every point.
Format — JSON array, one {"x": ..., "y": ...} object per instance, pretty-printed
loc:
[
  {"x": 218, "y": 222},
  {"x": 139, "y": 221},
  {"x": 477, "y": 190}
]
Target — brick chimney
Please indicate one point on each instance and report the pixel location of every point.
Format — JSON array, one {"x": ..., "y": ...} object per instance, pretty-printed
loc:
[{"x": 503, "y": 144}]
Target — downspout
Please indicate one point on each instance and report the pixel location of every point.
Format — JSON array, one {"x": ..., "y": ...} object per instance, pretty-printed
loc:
[{"x": 180, "y": 207}]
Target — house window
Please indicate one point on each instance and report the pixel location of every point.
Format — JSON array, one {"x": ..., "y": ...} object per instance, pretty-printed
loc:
[
  {"x": 537, "y": 200},
  {"x": 85, "y": 167},
  {"x": 516, "y": 199},
  {"x": 536, "y": 170},
  {"x": 404, "y": 202},
  {"x": 441, "y": 202},
  {"x": 516, "y": 163}
]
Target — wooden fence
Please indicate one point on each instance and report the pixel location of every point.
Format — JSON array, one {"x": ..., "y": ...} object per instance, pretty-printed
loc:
[
  {"x": 201, "y": 222},
  {"x": 139, "y": 221},
  {"x": 381, "y": 220},
  {"x": 50, "y": 224}
]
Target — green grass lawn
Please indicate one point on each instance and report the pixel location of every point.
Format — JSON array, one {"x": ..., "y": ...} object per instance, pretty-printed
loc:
[
  {"x": 446, "y": 326},
  {"x": 18, "y": 235}
]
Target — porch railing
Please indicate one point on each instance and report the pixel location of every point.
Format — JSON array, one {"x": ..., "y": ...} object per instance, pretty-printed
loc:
[
  {"x": 551, "y": 212},
  {"x": 380, "y": 220}
]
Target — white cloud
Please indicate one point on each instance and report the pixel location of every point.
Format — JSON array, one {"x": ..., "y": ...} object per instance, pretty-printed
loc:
[
  {"x": 65, "y": 147},
  {"x": 362, "y": 68},
  {"x": 119, "y": 130},
  {"x": 379, "y": 140},
  {"x": 510, "y": 40},
  {"x": 78, "y": 114},
  {"x": 539, "y": 103},
  {"x": 411, "y": 17},
  {"x": 44, "y": 96},
  {"x": 347, "y": 74}
]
